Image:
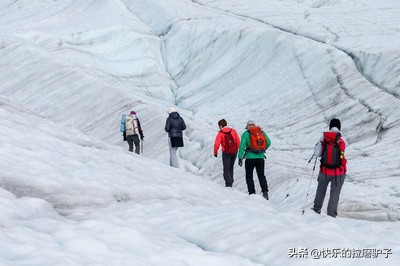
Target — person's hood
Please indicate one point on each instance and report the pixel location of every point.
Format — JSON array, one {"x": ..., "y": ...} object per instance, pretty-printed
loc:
[
  {"x": 226, "y": 129},
  {"x": 174, "y": 115},
  {"x": 335, "y": 129}
]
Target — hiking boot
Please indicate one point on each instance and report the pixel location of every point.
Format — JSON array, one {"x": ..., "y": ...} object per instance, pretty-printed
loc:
[
  {"x": 316, "y": 210},
  {"x": 265, "y": 195}
]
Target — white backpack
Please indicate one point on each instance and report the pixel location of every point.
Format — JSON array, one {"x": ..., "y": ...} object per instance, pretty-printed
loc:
[{"x": 131, "y": 125}]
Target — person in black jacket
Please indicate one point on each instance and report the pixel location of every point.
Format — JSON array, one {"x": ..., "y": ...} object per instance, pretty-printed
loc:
[{"x": 174, "y": 126}]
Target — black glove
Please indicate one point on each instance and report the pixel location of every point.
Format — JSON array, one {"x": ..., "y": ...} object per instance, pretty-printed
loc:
[
  {"x": 215, "y": 155},
  {"x": 240, "y": 162}
]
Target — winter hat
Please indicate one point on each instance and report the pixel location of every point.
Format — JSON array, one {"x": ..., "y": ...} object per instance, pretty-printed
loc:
[
  {"x": 334, "y": 123},
  {"x": 171, "y": 110},
  {"x": 133, "y": 113},
  {"x": 250, "y": 122}
]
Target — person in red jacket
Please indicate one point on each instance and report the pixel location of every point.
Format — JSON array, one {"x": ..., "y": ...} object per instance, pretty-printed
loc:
[
  {"x": 332, "y": 170},
  {"x": 229, "y": 141}
]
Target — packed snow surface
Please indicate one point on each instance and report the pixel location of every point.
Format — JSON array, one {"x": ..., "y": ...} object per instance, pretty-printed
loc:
[{"x": 72, "y": 194}]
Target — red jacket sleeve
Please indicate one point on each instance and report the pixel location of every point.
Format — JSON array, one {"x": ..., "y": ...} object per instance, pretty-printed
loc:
[{"x": 217, "y": 142}]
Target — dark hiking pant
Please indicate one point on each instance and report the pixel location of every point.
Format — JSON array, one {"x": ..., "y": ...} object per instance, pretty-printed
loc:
[
  {"x": 336, "y": 187},
  {"x": 228, "y": 163},
  {"x": 250, "y": 164},
  {"x": 133, "y": 139}
]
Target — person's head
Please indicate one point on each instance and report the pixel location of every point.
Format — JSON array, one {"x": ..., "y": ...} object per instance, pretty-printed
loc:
[
  {"x": 222, "y": 123},
  {"x": 250, "y": 124},
  {"x": 133, "y": 113},
  {"x": 171, "y": 110},
  {"x": 334, "y": 123}
]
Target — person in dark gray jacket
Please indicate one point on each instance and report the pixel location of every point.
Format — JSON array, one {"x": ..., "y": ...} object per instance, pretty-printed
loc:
[{"x": 174, "y": 126}]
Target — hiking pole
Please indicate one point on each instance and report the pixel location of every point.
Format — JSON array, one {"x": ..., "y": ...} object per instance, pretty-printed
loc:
[
  {"x": 287, "y": 195},
  {"x": 141, "y": 145},
  {"x": 311, "y": 159},
  {"x": 308, "y": 191}
]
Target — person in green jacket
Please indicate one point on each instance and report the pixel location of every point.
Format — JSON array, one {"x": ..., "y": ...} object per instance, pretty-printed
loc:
[{"x": 253, "y": 144}]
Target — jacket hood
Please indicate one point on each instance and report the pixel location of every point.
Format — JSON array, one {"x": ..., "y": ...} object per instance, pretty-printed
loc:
[
  {"x": 335, "y": 129},
  {"x": 174, "y": 115},
  {"x": 226, "y": 129}
]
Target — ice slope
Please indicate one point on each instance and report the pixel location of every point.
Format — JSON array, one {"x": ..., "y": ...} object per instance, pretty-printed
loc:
[{"x": 69, "y": 69}]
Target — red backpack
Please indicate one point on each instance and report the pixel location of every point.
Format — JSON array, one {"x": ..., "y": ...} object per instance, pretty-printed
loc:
[
  {"x": 258, "y": 142},
  {"x": 231, "y": 147},
  {"x": 331, "y": 154}
]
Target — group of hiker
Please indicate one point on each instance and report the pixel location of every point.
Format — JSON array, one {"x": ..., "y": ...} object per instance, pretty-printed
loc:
[
  {"x": 251, "y": 147},
  {"x": 132, "y": 133}
]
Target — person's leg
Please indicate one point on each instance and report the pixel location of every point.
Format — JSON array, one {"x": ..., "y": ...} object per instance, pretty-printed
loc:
[
  {"x": 173, "y": 158},
  {"x": 260, "y": 164},
  {"x": 323, "y": 182},
  {"x": 232, "y": 166},
  {"x": 336, "y": 188},
  {"x": 226, "y": 166},
  {"x": 136, "y": 140},
  {"x": 249, "y": 166},
  {"x": 129, "y": 139}
]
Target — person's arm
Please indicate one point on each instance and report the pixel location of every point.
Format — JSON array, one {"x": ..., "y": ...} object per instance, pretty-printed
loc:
[
  {"x": 217, "y": 143},
  {"x": 342, "y": 147},
  {"x": 183, "y": 124},
  {"x": 140, "y": 129},
  {"x": 168, "y": 125},
  {"x": 318, "y": 148}
]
